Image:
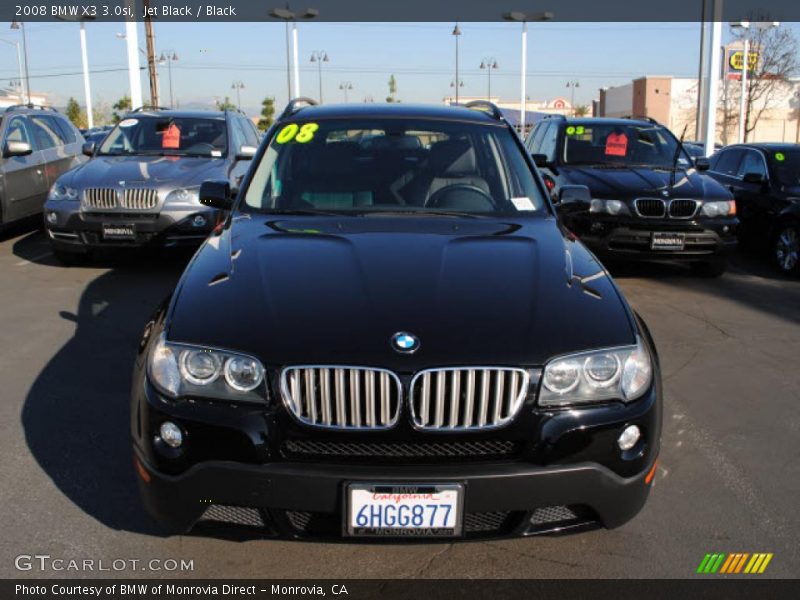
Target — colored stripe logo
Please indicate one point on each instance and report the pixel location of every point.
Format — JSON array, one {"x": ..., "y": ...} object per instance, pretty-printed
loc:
[{"x": 735, "y": 563}]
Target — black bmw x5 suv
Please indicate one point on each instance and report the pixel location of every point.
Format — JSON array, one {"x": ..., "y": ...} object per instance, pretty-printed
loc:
[
  {"x": 650, "y": 198},
  {"x": 392, "y": 336}
]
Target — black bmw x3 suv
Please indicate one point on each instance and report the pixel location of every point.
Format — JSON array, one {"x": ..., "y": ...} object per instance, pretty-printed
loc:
[
  {"x": 650, "y": 198},
  {"x": 390, "y": 337}
]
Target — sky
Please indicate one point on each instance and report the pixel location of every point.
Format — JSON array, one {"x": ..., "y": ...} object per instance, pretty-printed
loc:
[{"x": 212, "y": 56}]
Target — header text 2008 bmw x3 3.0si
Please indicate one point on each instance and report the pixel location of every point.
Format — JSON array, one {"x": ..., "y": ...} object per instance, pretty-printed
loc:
[{"x": 392, "y": 336}]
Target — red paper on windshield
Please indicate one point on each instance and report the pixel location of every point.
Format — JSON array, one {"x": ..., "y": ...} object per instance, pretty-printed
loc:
[
  {"x": 617, "y": 144},
  {"x": 171, "y": 137}
]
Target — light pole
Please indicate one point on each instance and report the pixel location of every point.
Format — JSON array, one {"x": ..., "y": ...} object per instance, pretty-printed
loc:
[
  {"x": 572, "y": 85},
  {"x": 456, "y": 34},
  {"x": 87, "y": 88},
  {"x": 167, "y": 56},
  {"x": 21, "y": 82},
  {"x": 524, "y": 18},
  {"x": 238, "y": 85},
  {"x": 345, "y": 86},
  {"x": 745, "y": 26},
  {"x": 489, "y": 63},
  {"x": 319, "y": 57},
  {"x": 456, "y": 86},
  {"x": 21, "y": 26},
  {"x": 286, "y": 15}
]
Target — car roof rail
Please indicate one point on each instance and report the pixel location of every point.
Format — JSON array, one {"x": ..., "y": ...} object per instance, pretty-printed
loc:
[
  {"x": 145, "y": 107},
  {"x": 29, "y": 106},
  {"x": 296, "y": 104},
  {"x": 487, "y": 107},
  {"x": 555, "y": 116},
  {"x": 638, "y": 118}
]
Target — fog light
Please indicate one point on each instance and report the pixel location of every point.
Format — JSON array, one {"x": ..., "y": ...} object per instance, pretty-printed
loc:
[
  {"x": 628, "y": 438},
  {"x": 725, "y": 229},
  {"x": 171, "y": 434},
  {"x": 199, "y": 221},
  {"x": 52, "y": 218}
]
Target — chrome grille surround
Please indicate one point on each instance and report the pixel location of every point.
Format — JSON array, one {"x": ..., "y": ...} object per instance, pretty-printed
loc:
[
  {"x": 139, "y": 198},
  {"x": 100, "y": 198},
  {"x": 681, "y": 208},
  {"x": 467, "y": 398},
  {"x": 342, "y": 396},
  {"x": 650, "y": 208}
]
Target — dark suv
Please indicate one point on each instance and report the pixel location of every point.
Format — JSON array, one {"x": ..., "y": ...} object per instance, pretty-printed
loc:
[
  {"x": 765, "y": 180},
  {"x": 141, "y": 185},
  {"x": 391, "y": 336},
  {"x": 38, "y": 145},
  {"x": 650, "y": 200}
]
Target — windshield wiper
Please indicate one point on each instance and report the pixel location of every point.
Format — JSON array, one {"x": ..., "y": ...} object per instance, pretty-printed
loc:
[
  {"x": 302, "y": 212},
  {"x": 419, "y": 211}
]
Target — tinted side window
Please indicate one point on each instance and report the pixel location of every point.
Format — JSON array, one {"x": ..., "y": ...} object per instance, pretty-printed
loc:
[
  {"x": 17, "y": 131},
  {"x": 549, "y": 140},
  {"x": 237, "y": 132},
  {"x": 46, "y": 132},
  {"x": 537, "y": 137},
  {"x": 728, "y": 162},
  {"x": 64, "y": 128},
  {"x": 250, "y": 134},
  {"x": 753, "y": 163}
]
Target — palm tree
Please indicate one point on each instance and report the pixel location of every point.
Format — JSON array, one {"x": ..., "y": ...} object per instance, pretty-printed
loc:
[{"x": 581, "y": 111}]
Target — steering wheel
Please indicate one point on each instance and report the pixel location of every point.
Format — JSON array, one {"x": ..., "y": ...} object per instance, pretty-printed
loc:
[
  {"x": 201, "y": 147},
  {"x": 461, "y": 196}
]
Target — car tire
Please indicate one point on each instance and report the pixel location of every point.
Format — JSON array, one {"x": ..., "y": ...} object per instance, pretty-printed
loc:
[
  {"x": 70, "y": 259},
  {"x": 710, "y": 268},
  {"x": 786, "y": 250}
]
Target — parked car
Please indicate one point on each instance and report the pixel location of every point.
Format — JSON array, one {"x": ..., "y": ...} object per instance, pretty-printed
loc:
[
  {"x": 141, "y": 186},
  {"x": 38, "y": 145},
  {"x": 96, "y": 135},
  {"x": 765, "y": 180},
  {"x": 394, "y": 339},
  {"x": 650, "y": 199}
]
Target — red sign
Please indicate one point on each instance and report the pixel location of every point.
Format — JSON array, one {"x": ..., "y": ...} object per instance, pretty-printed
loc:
[
  {"x": 172, "y": 137},
  {"x": 617, "y": 144}
]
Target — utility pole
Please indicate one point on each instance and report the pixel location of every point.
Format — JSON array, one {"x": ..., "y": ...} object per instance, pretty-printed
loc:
[
  {"x": 457, "y": 34},
  {"x": 151, "y": 55}
]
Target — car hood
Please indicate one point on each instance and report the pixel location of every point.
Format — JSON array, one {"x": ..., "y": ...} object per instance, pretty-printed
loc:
[
  {"x": 334, "y": 291},
  {"x": 156, "y": 171},
  {"x": 633, "y": 182}
]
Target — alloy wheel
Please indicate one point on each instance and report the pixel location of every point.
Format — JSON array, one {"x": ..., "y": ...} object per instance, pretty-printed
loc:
[{"x": 787, "y": 249}]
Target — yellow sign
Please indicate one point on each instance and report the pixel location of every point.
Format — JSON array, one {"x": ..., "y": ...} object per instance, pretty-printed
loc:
[{"x": 736, "y": 60}]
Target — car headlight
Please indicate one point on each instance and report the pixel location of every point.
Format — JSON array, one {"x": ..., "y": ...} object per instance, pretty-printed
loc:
[
  {"x": 608, "y": 374},
  {"x": 185, "y": 370},
  {"x": 184, "y": 196},
  {"x": 719, "y": 208},
  {"x": 611, "y": 207},
  {"x": 59, "y": 191}
]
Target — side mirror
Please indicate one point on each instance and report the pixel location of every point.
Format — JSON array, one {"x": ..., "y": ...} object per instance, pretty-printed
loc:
[
  {"x": 753, "y": 178},
  {"x": 701, "y": 163},
  {"x": 88, "y": 148},
  {"x": 540, "y": 160},
  {"x": 246, "y": 152},
  {"x": 574, "y": 199},
  {"x": 17, "y": 148},
  {"x": 216, "y": 193}
]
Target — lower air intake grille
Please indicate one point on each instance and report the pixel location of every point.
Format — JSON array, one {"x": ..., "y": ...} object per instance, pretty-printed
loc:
[
  {"x": 401, "y": 451},
  {"x": 552, "y": 514},
  {"x": 233, "y": 515}
]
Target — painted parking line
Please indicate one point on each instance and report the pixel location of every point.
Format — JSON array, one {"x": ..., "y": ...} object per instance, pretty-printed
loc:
[{"x": 33, "y": 259}]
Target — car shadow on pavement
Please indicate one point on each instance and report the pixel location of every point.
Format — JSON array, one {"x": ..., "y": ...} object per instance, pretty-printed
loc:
[{"x": 76, "y": 414}]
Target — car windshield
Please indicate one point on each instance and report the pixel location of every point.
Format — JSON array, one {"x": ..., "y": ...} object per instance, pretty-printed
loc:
[
  {"x": 167, "y": 136},
  {"x": 623, "y": 145},
  {"x": 393, "y": 166},
  {"x": 786, "y": 164}
]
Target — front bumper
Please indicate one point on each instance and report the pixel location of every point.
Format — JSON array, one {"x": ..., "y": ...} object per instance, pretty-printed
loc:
[{"x": 71, "y": 230}]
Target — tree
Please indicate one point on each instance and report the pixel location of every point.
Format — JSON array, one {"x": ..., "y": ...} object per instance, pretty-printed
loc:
[
  {"x": 767, "y": 81},
  {"x": 76, "y": 114},
  {"x": 226, "y": 104},
  {"x": 122, "y": 106},
  {"x": 392, "y": 90},
  {"x": 267, "y": 113},
  {"x": 581, "y": 110}
]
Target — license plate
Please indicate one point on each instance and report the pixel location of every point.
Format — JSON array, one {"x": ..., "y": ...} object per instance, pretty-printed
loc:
[
  {"x": 119, "y": 231},
  {"x": 403, "y": 509},
  {"x": 667, "y": 241}
]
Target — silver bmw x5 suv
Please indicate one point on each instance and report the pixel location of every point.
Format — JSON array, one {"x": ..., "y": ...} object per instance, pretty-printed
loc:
[{"x": 141, "y": 185}]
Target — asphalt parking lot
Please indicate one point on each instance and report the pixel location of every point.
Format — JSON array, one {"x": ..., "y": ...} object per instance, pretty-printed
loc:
[{"x": 728, "y": 480}]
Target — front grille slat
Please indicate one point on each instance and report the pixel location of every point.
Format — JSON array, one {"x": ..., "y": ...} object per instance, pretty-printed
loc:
[
  {"x": 339, "y": 397},
  {"x": 467, "y": 398},
  {"x": 682, "y": 209},
  {"x": 100, "y": 198},
  {"x": 140, "y": 198},
  {"x": 653, "y": 208}
]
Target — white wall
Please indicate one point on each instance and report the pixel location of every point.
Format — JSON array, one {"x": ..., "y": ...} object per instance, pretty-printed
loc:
[{"x": 619, "y": 101}]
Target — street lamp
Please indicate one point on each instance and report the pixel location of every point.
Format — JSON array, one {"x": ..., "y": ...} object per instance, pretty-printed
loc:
[
  {"x": 167, "y": 56},
  {"x": 21, "y": 81},
  {"x": 456, "y": 34},
  {"x": 524, "y": 18},
  {"x": 238, "y": 85},
  {"x": 286, "y": 15},
  {"x": 455, "y": 87},
  {"x": 319, "y": 57},
  {"x": 572, "y": 85},
  {"x": 21, "y": 26},
  {"x": 489, "y": 63},
  {"x": 345, "y": 86},
  {"x": 87, "y": 88},
  {"x": 745, "y": 27}
]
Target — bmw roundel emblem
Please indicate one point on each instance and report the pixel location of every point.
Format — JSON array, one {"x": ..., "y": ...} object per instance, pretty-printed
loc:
[{"x": 405, "y": 343}]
